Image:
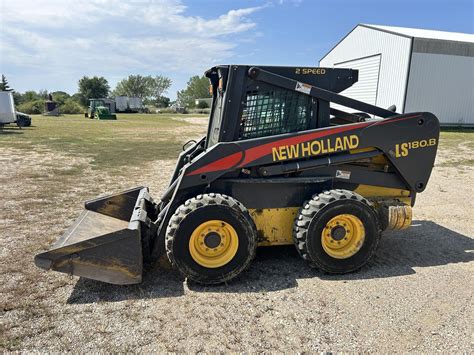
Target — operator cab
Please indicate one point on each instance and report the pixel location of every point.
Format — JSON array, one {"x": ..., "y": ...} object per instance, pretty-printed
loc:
[{"x": 246, "y": 108}]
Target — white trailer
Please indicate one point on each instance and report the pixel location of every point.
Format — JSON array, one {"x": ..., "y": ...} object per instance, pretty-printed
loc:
[
  {"x": 128, "y": 104},
  {"x": 121, "y": 103},
  {"x": 8, "y": 114},
  {"x": 135, "y": 104},
  {"x": 7, "y": 108}
]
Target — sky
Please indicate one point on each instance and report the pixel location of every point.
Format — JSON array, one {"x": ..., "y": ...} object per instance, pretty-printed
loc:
[{"x": 51, "y": 44}]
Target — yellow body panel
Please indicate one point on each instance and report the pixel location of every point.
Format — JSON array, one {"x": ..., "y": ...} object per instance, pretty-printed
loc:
[
  {"x": 274, "y": 225},
  {"x": 378, "y": 192}
]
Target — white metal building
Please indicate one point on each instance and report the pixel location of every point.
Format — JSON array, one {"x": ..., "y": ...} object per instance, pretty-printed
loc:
[{"x": 414, "y": 69}]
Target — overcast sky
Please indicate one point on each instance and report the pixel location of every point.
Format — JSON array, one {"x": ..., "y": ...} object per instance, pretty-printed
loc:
[{"x": 51, "y": 44}]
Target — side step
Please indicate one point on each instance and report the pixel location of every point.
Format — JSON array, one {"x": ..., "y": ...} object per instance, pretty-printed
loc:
[{"x": 105, "y": 242}]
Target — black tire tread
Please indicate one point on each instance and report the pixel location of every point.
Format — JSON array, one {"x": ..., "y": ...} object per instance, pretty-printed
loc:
[
  {"x": 306, "y": 213},
  {"x": 198, "y": 202}
]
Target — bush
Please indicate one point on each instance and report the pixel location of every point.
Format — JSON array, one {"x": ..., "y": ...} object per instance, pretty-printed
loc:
[
  {"x": 206, "y": 111},
  {"x": 60, "y": 97},
  {"x": 35, "y": 107},
  {"x": 172, "y": 110},
  {"x": 202, "y": 104},
  {"x": 71, "y": 107},
  {"x": 18, "y": 98}
]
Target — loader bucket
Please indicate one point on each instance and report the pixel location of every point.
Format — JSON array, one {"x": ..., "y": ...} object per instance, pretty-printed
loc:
[{"x": 105, "y": 242}]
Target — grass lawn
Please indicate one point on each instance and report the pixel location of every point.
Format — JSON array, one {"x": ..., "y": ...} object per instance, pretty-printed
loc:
[
  {"x": 132, "y": 139},
  {"x": 455, "y": 147}
]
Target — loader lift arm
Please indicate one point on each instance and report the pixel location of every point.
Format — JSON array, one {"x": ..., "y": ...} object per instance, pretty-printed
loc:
[{"x": 318, "y": 93}]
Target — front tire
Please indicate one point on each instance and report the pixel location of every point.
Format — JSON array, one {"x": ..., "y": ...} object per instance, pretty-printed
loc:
[
  {"x": 337, "y": 231},
  {"x": 211, "y": 238},
  {"x": 23, "y": 121}
]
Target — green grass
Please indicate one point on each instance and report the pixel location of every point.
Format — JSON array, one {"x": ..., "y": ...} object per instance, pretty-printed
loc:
[
  {"x": 133, "y": 139},
  {"x": 453, "y": 139},
  {"x": 456, "y": 146}
]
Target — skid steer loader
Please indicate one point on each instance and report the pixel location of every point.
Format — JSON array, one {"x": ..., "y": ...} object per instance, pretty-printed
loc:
[{"x": 279, "y": 165}]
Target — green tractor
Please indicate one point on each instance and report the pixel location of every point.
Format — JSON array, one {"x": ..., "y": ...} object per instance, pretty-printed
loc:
[{"x": 101, "y": 109}]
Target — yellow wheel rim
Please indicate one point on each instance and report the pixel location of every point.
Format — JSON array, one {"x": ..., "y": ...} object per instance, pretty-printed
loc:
[
  {"x": 213, "y": 243},
  {"x": 343, "y": 236}
]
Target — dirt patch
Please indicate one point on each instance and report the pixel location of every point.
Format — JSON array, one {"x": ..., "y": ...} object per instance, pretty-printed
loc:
[
  {"x": 198, "y": 120},
  {"x": 414, "y": 295}
]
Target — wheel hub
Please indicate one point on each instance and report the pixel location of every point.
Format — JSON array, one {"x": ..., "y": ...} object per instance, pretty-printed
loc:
[
  {"x": 343, "y": 236},
  {"x": 213, "y": 243},
  {"x": 212, "y": 240},
  {"x": 338, "y": 233}
]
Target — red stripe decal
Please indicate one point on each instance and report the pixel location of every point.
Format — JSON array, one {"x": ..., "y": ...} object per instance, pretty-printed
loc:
[
  {"x": 221, "y": 164},
  {"x": 255, "y": 153},
  {"x": 258, "y": 152}
]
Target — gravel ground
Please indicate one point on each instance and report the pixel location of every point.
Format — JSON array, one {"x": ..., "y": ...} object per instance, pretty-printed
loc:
[{"x": 416, "y": 294}]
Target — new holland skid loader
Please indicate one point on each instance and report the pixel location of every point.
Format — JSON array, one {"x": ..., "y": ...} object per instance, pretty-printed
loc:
[{"x": 279, "y": 165}]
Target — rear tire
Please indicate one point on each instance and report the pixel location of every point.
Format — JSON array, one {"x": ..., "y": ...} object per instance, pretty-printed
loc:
[
  {"x": 337, "y": 231},
  {"x": 211, "y": 238}
]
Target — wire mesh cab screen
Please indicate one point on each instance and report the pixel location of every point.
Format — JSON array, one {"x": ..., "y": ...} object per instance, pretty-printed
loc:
[{"x": 273, "y": 111}]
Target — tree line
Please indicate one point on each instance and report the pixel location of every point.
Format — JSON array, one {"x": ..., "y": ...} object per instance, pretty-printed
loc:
[{"x": 150, "y": 89}]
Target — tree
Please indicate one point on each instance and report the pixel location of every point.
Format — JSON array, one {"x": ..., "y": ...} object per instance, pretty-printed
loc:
[
  {"x": 60, "y": 97},
  {"x": 197, "y": 88},
  {"x": 163, "y": 101},
  {"x": 92, "y": 88},
  {"x": 78, "y": 98},
  {"x": 4, "y": 84},
  {"x": 43, "y": 94},
  {"x": 144, "y": 87},
  {"x": 135, "y": 85},
  {"x": 17, "y": 98},
  {"x": 161, "y": 86},
  {"x": 30, "y": 96}
]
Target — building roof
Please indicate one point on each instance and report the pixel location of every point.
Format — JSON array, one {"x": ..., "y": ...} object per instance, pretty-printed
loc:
[
  {"x": 421, "y": 33},
  {"x": 411, "y": 33}
]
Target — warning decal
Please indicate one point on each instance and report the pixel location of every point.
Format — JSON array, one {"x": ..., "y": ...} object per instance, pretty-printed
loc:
[{"x": 302, "y": 87}]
